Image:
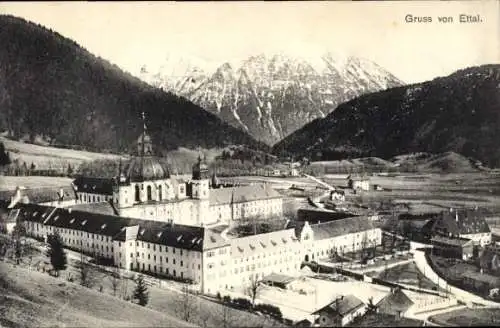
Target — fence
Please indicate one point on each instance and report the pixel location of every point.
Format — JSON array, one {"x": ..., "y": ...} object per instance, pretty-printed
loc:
[{"x": 462, "y": 295}]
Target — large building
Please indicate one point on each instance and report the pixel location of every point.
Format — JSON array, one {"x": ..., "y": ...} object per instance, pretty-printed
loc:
[
  {"x": 145, "y": 189},
  {"x": 206, "y": 257},
  {"x": 461, "y": 223}
]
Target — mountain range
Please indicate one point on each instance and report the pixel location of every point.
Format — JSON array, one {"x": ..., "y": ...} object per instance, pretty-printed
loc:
[
  {"x": 458, "y": 113},
  {"x": 52, "y": 88},
  {"x": 271, "y": 96}
]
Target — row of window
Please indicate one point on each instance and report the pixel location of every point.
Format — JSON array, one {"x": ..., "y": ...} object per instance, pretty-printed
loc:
[
  {"x": 160, "y": 248},
  {"x": 85, "y": 198},
  {"x": 69, "y": 242},
  {"x": 155, "y": 269},
  {"x": 141, "y": 255}
]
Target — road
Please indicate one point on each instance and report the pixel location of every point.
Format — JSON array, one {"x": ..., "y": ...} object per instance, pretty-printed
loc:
[{"x": 425, "y": 316}]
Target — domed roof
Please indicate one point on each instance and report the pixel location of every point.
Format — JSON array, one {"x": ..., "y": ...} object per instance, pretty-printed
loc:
[{"x": 145, "y": 169}]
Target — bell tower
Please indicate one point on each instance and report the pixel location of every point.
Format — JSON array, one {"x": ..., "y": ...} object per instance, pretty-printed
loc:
[
  {"x": 201, "y": 179},
  {"x": 144, "y": 143}
]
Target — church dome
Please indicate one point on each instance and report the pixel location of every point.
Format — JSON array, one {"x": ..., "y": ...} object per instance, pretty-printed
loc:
[{"x": 148, "y": 168}]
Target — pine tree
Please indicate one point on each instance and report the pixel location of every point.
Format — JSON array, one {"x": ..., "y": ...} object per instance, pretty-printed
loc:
[
  {"x": 4, "y": 156},
  {"x": 69, "y": 171},
  {"x": 141, "y": 291},
  {"x": 56, "y": 253}
]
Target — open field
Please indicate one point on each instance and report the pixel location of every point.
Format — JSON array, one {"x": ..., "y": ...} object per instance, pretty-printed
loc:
[
  {"x": 407, "y": 274},
  {"x": 423, "y": 192},
  {"x": 384, "y": 320},
  {"x": 469, "y": 318},
  {"x": 44, "y": 157},
  {"x": 10, "y": 182},
  {"x": 33, "y": 299}
]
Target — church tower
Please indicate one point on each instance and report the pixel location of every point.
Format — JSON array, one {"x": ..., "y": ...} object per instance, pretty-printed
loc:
[
  {"x": 200, "y": 188},
  {"x": 201, "y": 179},
  {"x": 144, "y": 180}
]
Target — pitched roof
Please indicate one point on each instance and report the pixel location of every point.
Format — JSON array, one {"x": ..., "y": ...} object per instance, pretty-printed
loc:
[
  {"x": 482, "y": 277},
  {"x": 396, "y": 300},
  {"x": 179, "y": 236},
  {"x": 94, "y": 223},
  {"x": 256, "y": 244},
  {"x": 242, "y": 194},
  {"x": 101, "y": 208},
  {"x": 101, "y": 186},
  {"x": 343, "y": 306},
  {"x": 461, "y": 222},
  {"x": 341, "y": 227},
  {"x": 278, "y": 278},
  {"x": 355, "y": 177},
  {"x": 451, "y": 241},
  {"x": 41, "y": 195},
  {"x": 34, "y": 212}
]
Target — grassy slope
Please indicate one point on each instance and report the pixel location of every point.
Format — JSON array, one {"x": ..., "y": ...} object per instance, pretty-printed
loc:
[
  {"x": 35, "y": 299},
  {"x": 49, "y": 157},
  {"x": 45, "y": 157},
  {"x": 10, "y": 183},
  {"x": 469, "y": 317}
]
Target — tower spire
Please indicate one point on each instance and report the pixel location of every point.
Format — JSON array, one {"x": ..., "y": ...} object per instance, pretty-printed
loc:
[{"x": 144, "y": 122}]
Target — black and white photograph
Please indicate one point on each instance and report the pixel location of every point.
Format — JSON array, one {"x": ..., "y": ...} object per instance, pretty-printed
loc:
[{"x": 250, "y": 164}]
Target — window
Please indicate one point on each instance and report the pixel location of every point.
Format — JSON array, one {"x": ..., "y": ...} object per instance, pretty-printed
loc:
[
  {"x": 154, "y": 258},
  {"x": 182, "y": 263},
  {"x": 131, "y": 255},
  {"x": 149, "y": 193},
  {"x": 173, "y": 261},
  {"x": 137, "y": 194},
  {"x": 160, "y": 197},
  {"x": 154, "y": 248}
]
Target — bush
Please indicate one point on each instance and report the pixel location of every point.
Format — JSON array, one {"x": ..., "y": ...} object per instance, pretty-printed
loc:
[
  {"x": 243, "y": 303},
  {"x": 218, "y": 296},
  {"x": 269, "y": 309},
  {"x": 226, "y": 299}
]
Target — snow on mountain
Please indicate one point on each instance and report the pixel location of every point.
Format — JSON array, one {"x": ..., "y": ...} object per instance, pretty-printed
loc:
[{"x": 271, "y": 96}]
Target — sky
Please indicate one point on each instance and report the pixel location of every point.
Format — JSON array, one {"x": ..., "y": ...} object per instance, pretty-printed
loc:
[{"x": 133, "y": 34}]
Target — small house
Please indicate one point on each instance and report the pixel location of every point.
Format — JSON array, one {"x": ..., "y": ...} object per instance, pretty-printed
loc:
[
  {"x": 337, "y": 195},
  {"x": 395, "y": 303},
  {"x": 358, "y": 182},
  {"x": 463, "y": 223},
  {"x": 460, "y": 248},
  {"x": 340, "y": 312},
  {"x": 277, "y": 280}
]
